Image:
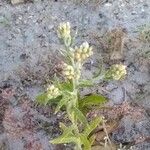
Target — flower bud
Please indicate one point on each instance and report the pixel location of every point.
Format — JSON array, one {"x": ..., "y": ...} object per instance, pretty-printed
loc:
[
  {"x": 77, "y": 56},
  {"x": 64, "y": 30},
  {"x": 52, "y": 92},
  {"x": 83, "y": 56},
  {"x": 68, "y": 71},
  {"x": 64, "y": 33},
  {"x": 85, "y": 45},
  {"x": 116, "y": 72},
  {"x": 83, "y": 52}
]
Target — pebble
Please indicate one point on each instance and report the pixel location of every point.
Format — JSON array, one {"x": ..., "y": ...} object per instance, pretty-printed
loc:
[
  {"x": 140, "y": 77},
  {"x": 117, "y": 96},
  {"x": 130, "y": 129}
]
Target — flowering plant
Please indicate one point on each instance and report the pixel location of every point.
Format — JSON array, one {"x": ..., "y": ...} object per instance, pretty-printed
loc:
[{"x": 78, "y": 130}]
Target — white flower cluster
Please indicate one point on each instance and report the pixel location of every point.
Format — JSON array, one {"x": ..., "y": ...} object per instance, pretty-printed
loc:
[
  {"x": 83, "y": 52},
  {"x": 68, "y": 71},
  {"x": 64, "y": 30},
  {"x": 52, "y": 92},
  {"x": 116, "y": 72},
  {"x": 77, "y": 54}
]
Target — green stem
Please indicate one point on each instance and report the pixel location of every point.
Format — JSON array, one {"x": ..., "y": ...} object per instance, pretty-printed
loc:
[{"x": 74, "y": 100}]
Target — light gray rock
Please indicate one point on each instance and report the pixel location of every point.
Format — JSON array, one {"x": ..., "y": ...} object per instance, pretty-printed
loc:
[
  {"x": 130, "y": 131},
  {"x": 117, "y": 95},
  {"x": 140, "y": 77}
]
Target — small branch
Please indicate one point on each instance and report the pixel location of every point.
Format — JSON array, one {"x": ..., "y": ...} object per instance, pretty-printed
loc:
[{"x": 105, "y": 130}]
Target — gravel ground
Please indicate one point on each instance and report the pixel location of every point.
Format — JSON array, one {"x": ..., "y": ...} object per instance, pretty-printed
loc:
[{"x": 28, "y": 44}]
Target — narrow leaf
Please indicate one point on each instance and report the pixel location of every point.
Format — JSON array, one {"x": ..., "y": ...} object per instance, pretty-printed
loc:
[
  {"x": 85, "y": 142},
  {"x": 92, "y": 139},
  {"x": 66, "y": 139},
  {"x": 43, "y": 99},
  {"x": 66, "y": 86},
  {"x": 62, "y": 126},
  {"x": 66, "y": 130},
  {"x": 67, "y": 136},
  {"x": 80, "y": 116},
  {"x": 61, "y": 103},
  {"x": 92, "y": 125}
]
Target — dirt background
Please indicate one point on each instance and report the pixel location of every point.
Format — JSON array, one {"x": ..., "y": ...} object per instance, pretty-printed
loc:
[{"x": 28, "y": 52}]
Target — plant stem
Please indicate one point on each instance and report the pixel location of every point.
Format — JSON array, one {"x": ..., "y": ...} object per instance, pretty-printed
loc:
[
  {"x": 105, "y": 130},
  {"x": 74, "y": 100}
]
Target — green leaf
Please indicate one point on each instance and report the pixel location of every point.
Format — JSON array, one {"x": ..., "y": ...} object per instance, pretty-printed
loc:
[
  {"x": 67, "y": 136},
  {"x": 65, "y": 139},
  {"x": 92, "y": 99},
  {"x": 62, "y": 102},
  {"x": 85, "y": 110},
  {"x": 92, "y": 139},
  {"x": 85, "y": 83},
  {"x": 80, "y": 116},
  {"x": 66, "y": 130},
  {"x": 62, "y": 126},
  {"x": 85, "y": 142},
  {"x": 92, "y": 125},
  {"x": 44, "y": 100},
  {"x": 66, "y": 86}
]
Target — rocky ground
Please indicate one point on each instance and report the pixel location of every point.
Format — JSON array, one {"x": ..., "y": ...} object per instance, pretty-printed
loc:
[{"x": 28, "y": 51}]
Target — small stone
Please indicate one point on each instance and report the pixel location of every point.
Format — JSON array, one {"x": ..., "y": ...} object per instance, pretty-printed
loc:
[
  {"x": 132, "y": 127},
  {"x": 117, "y": 96},
  {"x": 140, "y": 77},
  {"x": 14, "y": 2}
]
